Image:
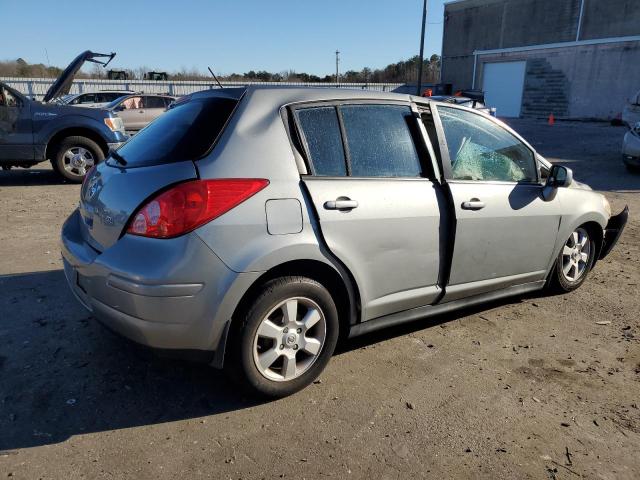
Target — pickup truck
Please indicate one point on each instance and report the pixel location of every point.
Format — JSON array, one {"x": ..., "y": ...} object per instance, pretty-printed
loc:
[{"x": 72, "y": 138}]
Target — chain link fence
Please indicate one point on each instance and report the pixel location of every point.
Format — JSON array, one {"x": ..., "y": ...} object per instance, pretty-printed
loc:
[{"x": 37, "y": 87}]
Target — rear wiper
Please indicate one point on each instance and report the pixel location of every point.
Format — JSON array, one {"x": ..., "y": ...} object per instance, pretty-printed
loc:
[{"x": 118, "y": 158}]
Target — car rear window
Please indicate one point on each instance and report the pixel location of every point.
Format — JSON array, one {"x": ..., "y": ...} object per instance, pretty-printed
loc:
[{"x": 186, "y": 132}]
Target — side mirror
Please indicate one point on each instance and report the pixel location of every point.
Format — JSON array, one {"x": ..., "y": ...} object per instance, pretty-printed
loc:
[
  {"x": 119, "y": 108},
  {"x": 559, "y": 176}
]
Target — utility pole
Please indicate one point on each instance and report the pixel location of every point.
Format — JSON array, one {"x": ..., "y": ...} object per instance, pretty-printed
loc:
[
  {"x": 337, "y": 63},
  {"x": 424, "y": 21}
]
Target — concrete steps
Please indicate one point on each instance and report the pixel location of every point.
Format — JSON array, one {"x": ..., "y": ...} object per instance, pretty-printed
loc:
[{"x": 545, "y": 90}]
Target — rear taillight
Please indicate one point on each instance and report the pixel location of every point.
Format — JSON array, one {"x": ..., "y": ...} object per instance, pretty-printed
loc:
[{"x": 188, "y": 205}]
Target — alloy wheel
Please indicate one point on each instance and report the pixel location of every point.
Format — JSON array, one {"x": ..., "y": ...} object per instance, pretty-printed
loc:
[
  {"x": 78, "y": 160},
  {"x": 289, "y": 339},
  {"x": 575, "y": 255}
]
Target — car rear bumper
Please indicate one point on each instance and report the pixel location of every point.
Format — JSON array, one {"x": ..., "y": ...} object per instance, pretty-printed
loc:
[
  {"x": 171, "y": 294},
  {"x": 613, "y": 230}
]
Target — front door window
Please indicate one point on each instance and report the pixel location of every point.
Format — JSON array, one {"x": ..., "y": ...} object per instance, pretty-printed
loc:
[{"x": 481, "y": 150}]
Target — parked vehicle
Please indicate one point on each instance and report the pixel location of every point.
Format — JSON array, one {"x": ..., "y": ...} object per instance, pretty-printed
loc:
[
  {"x": 139, "y": 110},
  {"x": 631, "y": 148},
  {"x": 259, "y": 225},
  {"x": 93, "y": 99},
  {"x": 74, "y": 139},
  {"x": 631, "y": 112}
]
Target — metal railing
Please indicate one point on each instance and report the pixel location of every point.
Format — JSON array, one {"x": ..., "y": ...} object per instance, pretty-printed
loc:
[{"x": 37, "y": 87}]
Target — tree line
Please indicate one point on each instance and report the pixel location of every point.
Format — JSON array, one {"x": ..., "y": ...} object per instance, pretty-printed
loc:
[{"x": 404, "y": 71}]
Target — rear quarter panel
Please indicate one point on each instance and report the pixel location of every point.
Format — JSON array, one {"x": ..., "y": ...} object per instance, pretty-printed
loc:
[{"x": 255, "y": 144}]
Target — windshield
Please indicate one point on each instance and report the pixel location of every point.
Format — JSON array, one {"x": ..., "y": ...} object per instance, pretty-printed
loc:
[{"x": 186, "y": 132}]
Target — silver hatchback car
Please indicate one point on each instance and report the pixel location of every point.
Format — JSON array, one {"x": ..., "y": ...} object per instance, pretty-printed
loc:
[{"x": 259, "y": 225}]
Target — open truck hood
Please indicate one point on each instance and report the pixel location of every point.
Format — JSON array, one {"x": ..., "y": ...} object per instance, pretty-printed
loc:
[{"x": 62, "y": 85}]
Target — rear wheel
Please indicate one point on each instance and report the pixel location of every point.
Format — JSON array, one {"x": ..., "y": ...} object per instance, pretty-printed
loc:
[
  {"x": 75, "y": 156},
  {"x": 574, "y": 261},
  {"x": 285, "y": 339}
]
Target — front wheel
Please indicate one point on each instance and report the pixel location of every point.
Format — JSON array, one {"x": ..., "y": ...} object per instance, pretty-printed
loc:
[
  {"x": 75, "y": 156},
  {"x": 574, "y": 261},
  {"x": 285, "y": 339}
]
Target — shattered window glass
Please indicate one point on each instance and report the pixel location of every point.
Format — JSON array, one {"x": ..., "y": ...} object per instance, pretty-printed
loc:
[
  {"x": 380, "y": 142},
  {"x": 322, "y": 133},
  {"x": 481, "y": 150}
]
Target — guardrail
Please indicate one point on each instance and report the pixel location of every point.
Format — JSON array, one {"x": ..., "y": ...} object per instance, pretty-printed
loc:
[{"x": 37, "y": 87}]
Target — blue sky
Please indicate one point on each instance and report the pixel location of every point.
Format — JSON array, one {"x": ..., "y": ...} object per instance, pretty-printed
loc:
[{"x": 231, "y": 36}]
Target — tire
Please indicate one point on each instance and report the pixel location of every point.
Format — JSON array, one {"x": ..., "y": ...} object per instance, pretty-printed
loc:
[
  {"x": 263, "y": 344},
  {"x": 574, "y": 261},
  {"x": 74, "y": 156}
]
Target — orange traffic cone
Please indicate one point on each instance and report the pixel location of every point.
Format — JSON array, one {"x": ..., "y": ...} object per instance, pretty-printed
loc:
[{"x": 552, "y": 119}]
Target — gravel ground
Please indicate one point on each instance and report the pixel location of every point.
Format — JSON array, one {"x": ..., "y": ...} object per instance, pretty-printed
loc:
[{"x": 531, "y": 387}]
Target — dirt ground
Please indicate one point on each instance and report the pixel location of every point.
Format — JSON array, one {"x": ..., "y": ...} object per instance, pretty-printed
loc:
[{"x": 531, "y": 387}]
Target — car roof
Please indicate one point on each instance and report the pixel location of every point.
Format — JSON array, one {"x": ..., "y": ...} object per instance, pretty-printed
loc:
[
  {"x": 291, "y": 94},
  {"x": 277, "y": 95},
  {"x": 139, "y": 94}
]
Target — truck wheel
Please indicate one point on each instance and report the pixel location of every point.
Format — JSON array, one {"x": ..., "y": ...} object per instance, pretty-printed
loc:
[
  {"x": 285, "y": 339},
  {"x": 75, "y": 156},
  {"x": 574, "y": 261}
]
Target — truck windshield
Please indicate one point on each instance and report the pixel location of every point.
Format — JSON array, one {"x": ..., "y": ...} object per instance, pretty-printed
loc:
[{"x": 186, "y": 132}]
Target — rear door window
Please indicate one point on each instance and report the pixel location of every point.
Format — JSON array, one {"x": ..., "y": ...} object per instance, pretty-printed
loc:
[
  {"x": 87, "y": 98},
  {"x": 321, "y": 131},
  {"x": 379, "y": 141},
  {"x": 366, "y": 140},
  {"x": 186, "y": 132}
]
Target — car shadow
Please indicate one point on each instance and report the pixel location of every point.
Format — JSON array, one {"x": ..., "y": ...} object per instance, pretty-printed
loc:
[
  {"x": 62, "y": 374},
  {"x": 21, "y": 177}
]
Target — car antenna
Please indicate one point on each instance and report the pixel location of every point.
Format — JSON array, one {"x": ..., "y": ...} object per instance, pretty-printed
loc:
[{"x": 215, "y": 78}]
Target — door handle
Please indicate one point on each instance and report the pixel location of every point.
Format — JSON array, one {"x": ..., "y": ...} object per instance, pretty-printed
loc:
[
  {"x": 473, "y": 204},
  {"x": 341, "y": 204}
]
